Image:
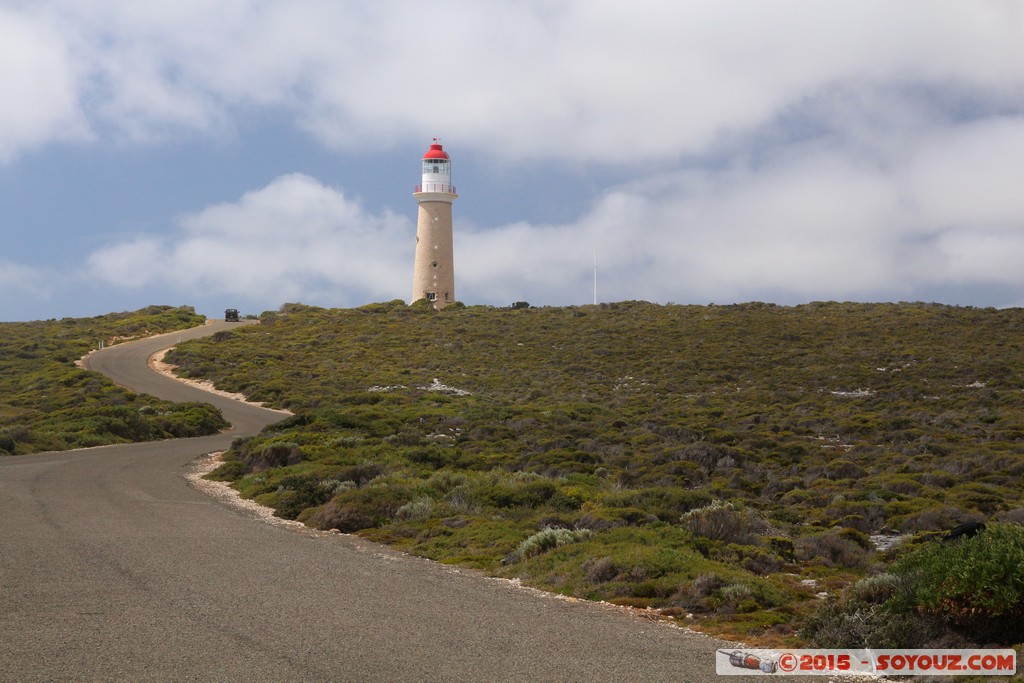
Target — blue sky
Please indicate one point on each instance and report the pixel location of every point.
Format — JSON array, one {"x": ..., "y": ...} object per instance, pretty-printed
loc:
[{"x": 248, "y": 153}]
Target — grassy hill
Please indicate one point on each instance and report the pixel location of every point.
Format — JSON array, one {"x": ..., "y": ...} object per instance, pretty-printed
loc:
[
  {"x": 722, "y": 464},
  {"x": 47, "y": 403}
]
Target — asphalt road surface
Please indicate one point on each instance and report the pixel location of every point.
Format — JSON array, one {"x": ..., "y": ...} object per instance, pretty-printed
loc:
[{"x": 113, "y": 567}]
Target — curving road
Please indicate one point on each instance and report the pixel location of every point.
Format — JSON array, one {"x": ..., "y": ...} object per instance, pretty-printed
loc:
[{"x": 114, "y": 568}]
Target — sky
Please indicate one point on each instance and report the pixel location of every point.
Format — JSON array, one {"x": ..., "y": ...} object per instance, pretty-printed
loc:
[{"x": 248, "y": 153}]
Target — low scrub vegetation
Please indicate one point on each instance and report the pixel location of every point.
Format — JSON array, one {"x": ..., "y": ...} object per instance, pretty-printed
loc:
[
  {"x": 727, "y": 465},
  {"x": 938, "y": 594},
  {"x": 46, "y": 403}
]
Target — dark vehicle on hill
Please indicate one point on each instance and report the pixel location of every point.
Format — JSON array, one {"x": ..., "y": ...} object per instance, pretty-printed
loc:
[{"x": 231, "y": 315}]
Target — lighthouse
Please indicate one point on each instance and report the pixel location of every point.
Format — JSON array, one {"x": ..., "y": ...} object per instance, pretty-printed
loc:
[{"x": 433, "y": 276}]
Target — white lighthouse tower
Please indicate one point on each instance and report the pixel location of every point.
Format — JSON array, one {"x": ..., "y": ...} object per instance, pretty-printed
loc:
[{"x": 433, "y": 276}]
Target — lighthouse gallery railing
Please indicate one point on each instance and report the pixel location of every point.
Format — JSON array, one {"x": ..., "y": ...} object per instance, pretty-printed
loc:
[{"x": 436, "y": 187}]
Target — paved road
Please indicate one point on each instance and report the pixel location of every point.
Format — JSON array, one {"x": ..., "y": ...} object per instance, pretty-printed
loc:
[{"x": 114, "y": 568}]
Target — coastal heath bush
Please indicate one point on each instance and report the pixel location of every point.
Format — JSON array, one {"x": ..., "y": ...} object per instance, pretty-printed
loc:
[
  {"x": 941, "y": 594},
  {"x": 546, "y": 539},
  {"x": 974, "y": 584},
  {"x": 723, "y": 521}
]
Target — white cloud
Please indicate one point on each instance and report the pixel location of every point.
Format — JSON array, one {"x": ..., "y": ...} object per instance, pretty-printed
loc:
[
  {"x": 17, "y": 279},
  {"x": 39, "y": 86},
  {"x": 583, "y": 79},
  {"x": 822, "y": 223},
  {"x": 26, "y": 288},
  {"x": 294, "y": 239},
  {"x": 972, "y": 175}
]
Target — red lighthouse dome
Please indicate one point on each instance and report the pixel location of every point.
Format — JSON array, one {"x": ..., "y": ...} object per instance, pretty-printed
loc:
[{"x": 436, "y": 152}]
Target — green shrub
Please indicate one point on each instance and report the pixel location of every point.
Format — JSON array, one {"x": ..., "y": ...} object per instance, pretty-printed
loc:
[
  {"x": 600, "y": 569},
  {"x": 847, "y": 622},
  {"x": 546, "y": 539},
  {"x": 528, "y": 492},
  {"x": 737, "y": 597},
  {"x": 874, "y": 590},
  {"x": 418, "y": 508},
  {"x": 723, "y": 521},
  {"x": 339, "y": 516},
  {"x": 754, "y": 559},
  {"x": 833, "y": 549},
  {"x": 601, "y": 518},
  {"x": 974, "y": 584},
  {"x": 695, "y": 594},
  {"x": 666, "y": 503},
  {"x": 271, "y": 455},
  {"x": 941, "y": 594},
  {"x": 294, "y": 494},
  {"x": 230, "y": 470},
  {"x": 183, "y": 420}
]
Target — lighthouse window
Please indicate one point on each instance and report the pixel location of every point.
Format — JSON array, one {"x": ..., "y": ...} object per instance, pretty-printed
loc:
[
  {"x": 434, "y": 264},
  {"x": 431, "y": 296},
  {"x": 435, "y": 166}
]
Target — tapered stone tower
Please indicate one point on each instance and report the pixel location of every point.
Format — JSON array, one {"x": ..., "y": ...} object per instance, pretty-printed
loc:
[{"x": 433, "y": 276}]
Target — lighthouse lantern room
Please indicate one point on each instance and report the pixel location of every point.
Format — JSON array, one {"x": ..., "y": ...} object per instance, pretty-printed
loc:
[{"x": 437, "y": 174}]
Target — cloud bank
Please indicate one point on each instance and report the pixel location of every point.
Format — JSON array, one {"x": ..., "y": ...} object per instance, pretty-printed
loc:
[
  {"x": 567, "y": 80},
  {"x": 289, "y": 241}
]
